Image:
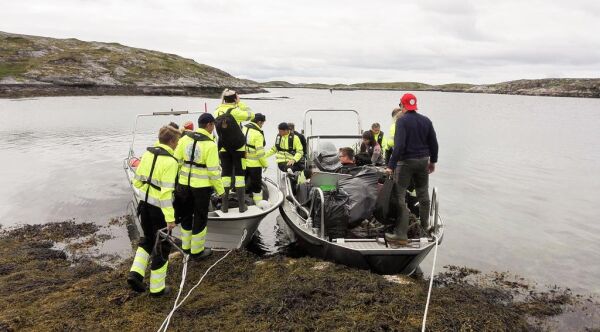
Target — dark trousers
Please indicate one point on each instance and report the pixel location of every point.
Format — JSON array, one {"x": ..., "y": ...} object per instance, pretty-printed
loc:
[
  {"x": 388, "y": 155},
  {"x": 152, "y": 220},
  {"x": 415, "y": 169},
  {"x": 254, "y": 176},
  {"x": 192, "y": 207},
  {"x": 232, "y": 168}
]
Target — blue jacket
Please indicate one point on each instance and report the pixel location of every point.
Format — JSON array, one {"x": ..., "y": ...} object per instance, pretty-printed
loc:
[{"x": 414, "y": 138}]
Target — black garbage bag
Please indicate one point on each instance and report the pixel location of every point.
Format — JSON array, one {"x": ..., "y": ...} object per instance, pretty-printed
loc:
[
  {"x": 362, "y": 190},
  {"x": 387, "y": 205},
  {"x": 336, "y": 214}
]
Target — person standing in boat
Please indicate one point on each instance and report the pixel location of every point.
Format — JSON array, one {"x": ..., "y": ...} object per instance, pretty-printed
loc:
[
  {"x": 155, "y": 177},
  {"x": 232, "y": 157},
  {"x": 300, "y": 136},
  {"x": 288, "y": 150},
  {"x": 200, "y": 173},
  {"x": 414, "y": 157},
  {"x": 255, "y": 155},
  {"x": 389, "y": 139},
  {"x": 372, "y": 148}
]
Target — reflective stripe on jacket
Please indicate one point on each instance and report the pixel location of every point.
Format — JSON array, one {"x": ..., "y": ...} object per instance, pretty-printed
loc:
[
  {"x": 205, "y": 169},
  {"x": 161, "y": 186},
  {"x": 255, "y": 146},
  {"x": 285, "y": 153}
]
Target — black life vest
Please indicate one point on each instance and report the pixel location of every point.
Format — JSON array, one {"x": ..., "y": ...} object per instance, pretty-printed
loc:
[
  {"x": 380, "y": 138},
  {"x": 156, "y": 151},
  {"x": 290, "y": 149},
  {"x": 255, "y": 127},
  {"x": 197, "y": 137}
]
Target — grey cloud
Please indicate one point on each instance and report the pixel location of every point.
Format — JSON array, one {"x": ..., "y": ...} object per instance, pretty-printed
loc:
[{"x": 418, "y": 40}]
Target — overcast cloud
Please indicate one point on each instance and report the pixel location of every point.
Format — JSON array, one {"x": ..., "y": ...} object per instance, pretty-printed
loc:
[{"x": 339, "y": 41}]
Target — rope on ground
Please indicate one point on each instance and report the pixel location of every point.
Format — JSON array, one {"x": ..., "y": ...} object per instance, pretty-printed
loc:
[
  {"x": 165, "y": 324},
  {"x": 176, "y": 305},
  {"x": 430, "y": 284}
]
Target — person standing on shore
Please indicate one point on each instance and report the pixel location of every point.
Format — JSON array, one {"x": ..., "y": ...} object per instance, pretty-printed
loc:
[
  {"x": 255, "y": 155},
  {"x": 155, "y": 176},
  {"x": 200, "y": 173},
  {"x": 414, "y": 157},
  {"x": 232, "y": 146}
]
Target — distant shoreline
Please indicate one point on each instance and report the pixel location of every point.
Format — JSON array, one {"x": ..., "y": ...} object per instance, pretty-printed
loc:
[
  {"x": 15, "y": 91},
  {"x": 12, "y": 91},
  {"x": 568, "y": 87}
]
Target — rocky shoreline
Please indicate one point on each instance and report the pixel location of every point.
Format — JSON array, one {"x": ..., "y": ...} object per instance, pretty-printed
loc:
[
  {"x": 55, "y": 90},
  {"x": 551, "y": 87},
  {"x": 48, "y": 286}
]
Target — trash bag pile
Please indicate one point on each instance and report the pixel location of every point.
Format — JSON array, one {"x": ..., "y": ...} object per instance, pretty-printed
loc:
[{"x": 336, "y": 214}]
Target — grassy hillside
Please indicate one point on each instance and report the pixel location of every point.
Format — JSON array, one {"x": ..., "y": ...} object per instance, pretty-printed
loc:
[{"x": 45, "y": 62}]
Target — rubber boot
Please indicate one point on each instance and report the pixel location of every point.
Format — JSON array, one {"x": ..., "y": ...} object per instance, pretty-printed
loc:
[
  {"x": 204, "y": 254},
  {"x": 399, "y": 236},
  {"x": 241, "y": 196},
  {"x": 136, "y": 282},
  {"x": 225, "y": 201}
]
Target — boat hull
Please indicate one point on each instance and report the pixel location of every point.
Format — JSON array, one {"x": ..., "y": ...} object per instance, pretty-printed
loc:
[
  {"x": 363, "y": 254},
  {"x": 230, "y": 230}
]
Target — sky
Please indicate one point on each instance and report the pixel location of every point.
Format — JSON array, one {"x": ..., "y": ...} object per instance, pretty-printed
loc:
[{"x": 339, "y": 41}]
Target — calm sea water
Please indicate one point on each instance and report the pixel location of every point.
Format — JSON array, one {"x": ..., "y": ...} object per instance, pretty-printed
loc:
[{"x": 518, "y": 176}]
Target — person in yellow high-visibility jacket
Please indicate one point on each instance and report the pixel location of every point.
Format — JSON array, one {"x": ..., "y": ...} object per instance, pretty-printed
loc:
[
  {"x": 233, "y": 162},
  {"x": 379, "y": 136},
  {"x": 389, "y": 138},
  {"x": 200, "y": 173},
  {"x": 155, "y": 178},
  {"x": 255, "y": 155},
  {"x": 288, "y": 152}
]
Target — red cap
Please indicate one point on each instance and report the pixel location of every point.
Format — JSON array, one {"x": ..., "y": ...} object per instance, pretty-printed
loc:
[
  {"x": 409, "y": 102},
  {"x": 189, "y": 125}
]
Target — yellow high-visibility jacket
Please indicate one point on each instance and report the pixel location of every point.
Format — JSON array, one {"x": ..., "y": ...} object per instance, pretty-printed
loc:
[
  {"x": 284, "y": 151},
  {"x": 255, "y": 145},
  {"x": 161, "y": 184},
  {"x": 390, "y": 136},
  {"x": 204, "y": 170},
  {"x": 383, "y": 142}
]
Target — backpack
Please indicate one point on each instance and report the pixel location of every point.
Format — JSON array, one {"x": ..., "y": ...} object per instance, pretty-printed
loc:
[{"x": 230, "y": 133}]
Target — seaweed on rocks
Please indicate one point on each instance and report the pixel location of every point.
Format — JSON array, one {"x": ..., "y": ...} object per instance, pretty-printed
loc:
[{"x": 246, "y": 292}]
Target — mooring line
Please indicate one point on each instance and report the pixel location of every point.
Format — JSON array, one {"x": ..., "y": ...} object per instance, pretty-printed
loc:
[
  {"x": 430, "y": 284},
  {"x": 165, "y": 324},
  {"x": 167, "y": 321}
]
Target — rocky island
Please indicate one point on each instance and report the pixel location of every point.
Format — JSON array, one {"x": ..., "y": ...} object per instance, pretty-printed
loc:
[
  {"x": 556, "y": 87},
  {"x": 40, "y": 66}
]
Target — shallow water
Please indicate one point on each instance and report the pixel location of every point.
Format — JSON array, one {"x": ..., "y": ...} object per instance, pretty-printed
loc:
[{"x": 517, "y": 175}]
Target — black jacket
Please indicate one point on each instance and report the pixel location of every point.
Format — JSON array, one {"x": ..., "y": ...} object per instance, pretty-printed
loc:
[{"x": 414, "y": 138}]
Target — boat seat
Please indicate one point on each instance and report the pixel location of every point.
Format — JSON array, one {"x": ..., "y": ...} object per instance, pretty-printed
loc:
[{"x": 327, "y": 162}]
